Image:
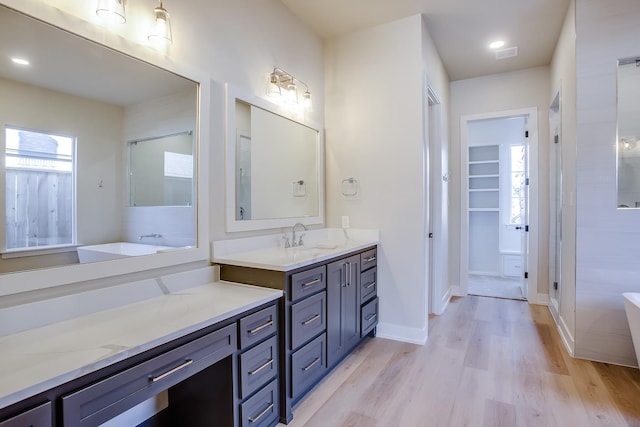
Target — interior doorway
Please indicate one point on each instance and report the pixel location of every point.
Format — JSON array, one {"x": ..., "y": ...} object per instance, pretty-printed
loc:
[{"x": 497, "y": 230}]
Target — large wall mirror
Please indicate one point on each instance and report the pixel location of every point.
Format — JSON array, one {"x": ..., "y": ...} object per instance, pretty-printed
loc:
[
  {"x": 274, "y": 166},
  {"x": 100, "y": 153},
  {"x": 629, "y": 133}
]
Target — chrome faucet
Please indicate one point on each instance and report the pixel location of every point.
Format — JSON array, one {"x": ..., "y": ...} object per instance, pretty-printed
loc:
[
  {"x": 155, "y": 235},
  {"x": 293, "y": 232}
]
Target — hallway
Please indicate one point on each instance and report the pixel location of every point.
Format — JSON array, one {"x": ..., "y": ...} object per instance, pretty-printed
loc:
[{"x": 488, "y": 362}]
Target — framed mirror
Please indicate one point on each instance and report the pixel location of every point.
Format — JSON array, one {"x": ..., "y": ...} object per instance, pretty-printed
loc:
[
  {"x": 58, "y": 86},
  {"x": 628, "y": 145},
  {"x": 274, "y": 166}
]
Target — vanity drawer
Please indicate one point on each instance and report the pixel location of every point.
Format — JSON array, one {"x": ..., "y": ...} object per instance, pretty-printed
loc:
[
  {"x": 369, "y": 317},
  {"x": 40, "y": 416},
  {"x": 262, "y": 409},
  {"x": 97, "y": 403},
  {"x": 257, "y": 326},
  {"x": 308, "y": 319},
  {"x": 368, "y": 259},
  {"x": 308, "y": 282},
  {"x": 258, "y": 366},
  {"x": 368, "y": 284},
  {"x": 308, "y": 365}
]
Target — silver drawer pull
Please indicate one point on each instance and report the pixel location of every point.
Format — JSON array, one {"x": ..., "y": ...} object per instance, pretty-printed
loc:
[
  {"x": 171, "y": 371},
  {"x": 311, "y": 365},
  {"x": 261, "y": 327},
  {"x": 261, "y": 414},
  {"x": 313, "y": 319},
  {"x": 261, "y": 367},
  {"x": 371, "y": 258},
  {"x": 373, "y": 316},
  {"x": 311, "y": 283},
  {"x": 370, "y": 285}
]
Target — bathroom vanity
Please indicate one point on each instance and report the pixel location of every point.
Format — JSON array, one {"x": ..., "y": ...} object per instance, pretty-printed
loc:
[
  {"x": 209, "y": 351},
  {"x": 330, "y": 304}
]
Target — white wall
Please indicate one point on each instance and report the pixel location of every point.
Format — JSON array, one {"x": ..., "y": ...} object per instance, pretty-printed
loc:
[
  {"x": 499, "y": 92},
  {"x": 563, "y": 79},
  {"x": 608, "y": 240},
  {"x": 374, "y": 133}
]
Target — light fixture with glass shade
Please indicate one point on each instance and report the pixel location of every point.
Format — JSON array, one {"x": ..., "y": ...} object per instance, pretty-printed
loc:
[
  {"x": 112, "y": 10},
  {"x": 161, "y": 30},
  {"x": 284, "y": 86}
]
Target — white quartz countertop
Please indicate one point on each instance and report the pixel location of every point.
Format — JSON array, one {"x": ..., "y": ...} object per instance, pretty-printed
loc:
[
  {"x": 39, "y": 359},
  {"x": 268, "y": 253}
]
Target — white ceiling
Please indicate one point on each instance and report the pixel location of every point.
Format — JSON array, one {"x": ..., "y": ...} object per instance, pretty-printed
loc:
[{"x": 461, "y": 29}]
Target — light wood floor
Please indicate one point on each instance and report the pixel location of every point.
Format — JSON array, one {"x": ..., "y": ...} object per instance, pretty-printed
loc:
[{"x": 488, "y": 362}]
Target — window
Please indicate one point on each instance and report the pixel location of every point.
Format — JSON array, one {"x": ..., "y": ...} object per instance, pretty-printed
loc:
[
  {"x": 516, "y": 187},
  {"x": 39, "y": 189}
]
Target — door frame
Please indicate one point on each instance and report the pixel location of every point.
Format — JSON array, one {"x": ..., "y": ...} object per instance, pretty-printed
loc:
[
  {"x": 532, "y": 126},
  {"x": 436, "y": 177}
]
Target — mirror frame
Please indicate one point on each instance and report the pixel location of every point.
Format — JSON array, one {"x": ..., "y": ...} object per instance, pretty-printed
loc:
[
  {"x": 620, "y": 154},
  {"x": 32, "y": 280},
  {"x": 232, "y": 224}
]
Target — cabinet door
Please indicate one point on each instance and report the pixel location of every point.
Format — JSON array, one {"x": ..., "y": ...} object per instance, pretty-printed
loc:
[{"x": 343, "y": 307}]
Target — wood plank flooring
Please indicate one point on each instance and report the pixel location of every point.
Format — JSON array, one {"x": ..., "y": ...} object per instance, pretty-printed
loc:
[{"x": 489, "y": 362}]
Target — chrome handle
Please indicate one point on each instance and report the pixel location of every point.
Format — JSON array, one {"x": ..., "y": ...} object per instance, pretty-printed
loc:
[
  {"x": 311, "y": 365},
  {"x": 370, "y": 318},
  {"x": 343, "y": 275},
  {"x": 313, "y": 282},
  {"x": 311, "y": 320},
  {"x": 261, "y": 414},
  {"x": 261, "y": 327},
  {"x": 370, "y": 285},
  {"x": 171, "y": 371},
  {"x": 371, "y": 258},
  {"x": 261, "y": 367},
  {"x": 349, "y": 274}
]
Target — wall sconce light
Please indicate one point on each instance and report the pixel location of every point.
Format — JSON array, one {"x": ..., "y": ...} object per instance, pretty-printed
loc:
[
  {"x": 282, "y": 85},
  {"x": 162, "y": 25},
  {"x": 111, "y": 10}
]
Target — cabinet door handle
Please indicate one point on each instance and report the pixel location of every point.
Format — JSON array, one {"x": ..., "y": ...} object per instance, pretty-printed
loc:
[
  {"x": 370, "y": 285},
  {"x": 311, "y": 320},
  {"x": 311, "y": 365},
  {"x": 349, "y": 274},
  {"x": 261, "y": 327},
  {"x": 311, "y": 283},
  {"x": 261, "y": 367},
  {"x": 373, "y": 316},
  {"x": 261, "y": 414},
  {"x": 370, "y": 259},
  {"x": 343, "y": 275},
  {"x": 171, "y": 371}
]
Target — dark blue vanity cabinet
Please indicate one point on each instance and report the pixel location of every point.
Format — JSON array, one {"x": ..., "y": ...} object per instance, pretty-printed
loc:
[
  {"x": 224, "y": 375},
  {"x": 328, "y": 308},
  {"x": 40, "y": 416}
]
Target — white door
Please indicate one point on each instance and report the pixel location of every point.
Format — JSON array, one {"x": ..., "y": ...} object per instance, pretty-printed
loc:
[
  {"x": 524, "y": 217},
  {"x": 438, "y": 160}
]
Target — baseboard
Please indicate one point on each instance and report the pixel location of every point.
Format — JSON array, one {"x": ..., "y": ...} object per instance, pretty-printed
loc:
[
  {"x": 540, "y": 299},
  {"x": 566, "y": 336},
  {"x": 441, "y": 306},
  {"x": 402, "y": 333}
]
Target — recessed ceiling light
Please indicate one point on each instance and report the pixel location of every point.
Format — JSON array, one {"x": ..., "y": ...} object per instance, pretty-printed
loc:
[
  {"x": 20, "y": 61},
  {"x": 496, "y": 44}
]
